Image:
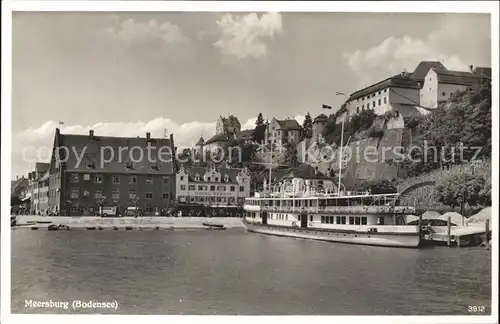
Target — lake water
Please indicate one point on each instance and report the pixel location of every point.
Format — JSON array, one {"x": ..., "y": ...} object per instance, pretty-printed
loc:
[{"x": 234, "y": 272}]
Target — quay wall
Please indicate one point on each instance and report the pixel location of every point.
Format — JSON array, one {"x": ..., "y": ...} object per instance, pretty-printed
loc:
[{"x": 162, "y": 222}]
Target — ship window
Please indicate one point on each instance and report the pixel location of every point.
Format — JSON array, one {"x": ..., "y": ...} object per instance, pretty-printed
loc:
[
  {"x": 298, "y": 217},
  {"x": 380, "y": 221},
  {"x": 351, "y": 220},
  {"x": 358, "y": 221},
  {"x": 363, "y": 221},
  {"x": 343, "y": 220},
  {"x": 311, "y": 218},
  {"x": 322, "y": 219},
  {"x": 342, "y": 202}
]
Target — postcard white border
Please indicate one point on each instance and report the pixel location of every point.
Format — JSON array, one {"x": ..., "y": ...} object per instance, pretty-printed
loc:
[{"x": 243, "y": 6}]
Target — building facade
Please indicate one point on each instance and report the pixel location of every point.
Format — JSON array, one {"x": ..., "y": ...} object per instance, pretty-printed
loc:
[
  {"x": 282, "y": 132},
  {"x": 93, "y": 171},
  {"x": 212, "y": 186},
  {"x": 440, "y": 84},
  {"x": 382, "y": 96},
  {"x": 39, "y": 187}
]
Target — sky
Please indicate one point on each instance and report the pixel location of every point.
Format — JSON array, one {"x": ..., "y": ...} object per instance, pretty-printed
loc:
[{"x": 125, "y": 74}]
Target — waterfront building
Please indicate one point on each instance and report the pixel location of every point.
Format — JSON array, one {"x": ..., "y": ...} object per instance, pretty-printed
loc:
[
  {"x": 19, "y": 194},
  {"x": 95, "y": 171},
  {"x": 221, "y": 187},
  {"x": 39, "y": 187}
]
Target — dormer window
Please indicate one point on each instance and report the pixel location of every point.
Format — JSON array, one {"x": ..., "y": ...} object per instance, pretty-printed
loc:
[
  {"x": 197, "y": 177},
  {"x": 216, "y": 179},
  {"x": 208, "y": 179},
  {"x": 154, "y": 167},
  {"x": 226, "y": 178}
]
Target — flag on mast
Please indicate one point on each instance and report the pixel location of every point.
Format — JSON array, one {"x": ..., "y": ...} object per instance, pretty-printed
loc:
[{"x": 61, "y": 122}]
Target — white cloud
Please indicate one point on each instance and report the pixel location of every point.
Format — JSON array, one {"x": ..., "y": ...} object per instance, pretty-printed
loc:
[
  {"x": 132, "y": 32},
  {"x": 246, "y": 36},
  {"x": 35, "y": 144},
  {"x": 395, "y": 54}
]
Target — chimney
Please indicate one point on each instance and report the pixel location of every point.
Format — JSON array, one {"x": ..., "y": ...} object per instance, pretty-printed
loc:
[
  {"x": 148, "y": 136},
  {"x": 91, "y": 134},
  {"x": 471, "y": 68},
  {"x": 17, "y": 177}
]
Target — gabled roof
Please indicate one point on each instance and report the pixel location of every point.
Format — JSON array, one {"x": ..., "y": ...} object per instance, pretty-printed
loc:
[
  {"x": 423, "y": 68},
  {"x": 200, "y": 142},
  {"x": 120, "y": 151},
  {"x": 17, "y": 185},
  {"x": 396, "y": 81},
  {"x": 456, "y": 77},
  {"x": 289, "y": 124},
  {"x": 232, "y": 173},
  {"x": 218, "y": 138}
]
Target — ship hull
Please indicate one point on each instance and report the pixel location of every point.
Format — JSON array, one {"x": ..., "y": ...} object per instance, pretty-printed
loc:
[{"x": 403, "y": 240}]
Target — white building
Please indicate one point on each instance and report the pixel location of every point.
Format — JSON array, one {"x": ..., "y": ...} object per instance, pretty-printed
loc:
[
  {"x": 212, "y": 186},
  {"x": 399, "y": 93},
  {"x": 440, "y": 84},
  {"x": 284, "y": 131}
]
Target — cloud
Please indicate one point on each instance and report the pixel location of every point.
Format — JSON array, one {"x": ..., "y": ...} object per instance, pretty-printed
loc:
[
  {"x": 35, "y": 144},
  {"x": 247, "y": 36},
  {"x": 132, "y": 32},
  {"x": 395, "y": 54}
]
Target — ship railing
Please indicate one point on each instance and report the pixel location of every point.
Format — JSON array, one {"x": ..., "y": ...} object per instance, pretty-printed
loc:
[{"x": 343, "y": 209}]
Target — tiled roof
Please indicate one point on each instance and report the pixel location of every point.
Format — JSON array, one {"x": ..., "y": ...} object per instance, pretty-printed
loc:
[
  {"x": 456, "y": 77},
  {"x": 320, "y": 117},
  {"x": 484, "y": 72},
  {"x": 406, "y": 110},
  {"x": 200, "y": 142},
  {"x": 289, "y": 124},
  {"x": 232, "y": 173},
  {"x": 423, "y": 68},
  {"x": 218, "y": 138},
  {"x": 245, "y": 134},
  {"x": 17, "y": 185},
  {"x": 396, "y": 81},
  {"x": 121, "y": 152},
  {"x": 39, "y": 166}
]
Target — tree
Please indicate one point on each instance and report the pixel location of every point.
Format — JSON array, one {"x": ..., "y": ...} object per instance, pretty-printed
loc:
[
  {"x": 260, "y": 120},
  {"x": 259, "y": 133},
  {"x": 307, "y": 126},
  {"x": 458, "y": 188}
]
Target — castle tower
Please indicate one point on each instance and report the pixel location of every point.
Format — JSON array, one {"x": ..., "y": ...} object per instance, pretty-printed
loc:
[
  {"x": 199, "y": 146},
  {"x": 319, "y": 125}
]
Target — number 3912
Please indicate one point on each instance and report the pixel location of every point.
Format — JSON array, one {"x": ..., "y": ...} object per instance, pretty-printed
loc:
[{"x": 476, "y": 309}]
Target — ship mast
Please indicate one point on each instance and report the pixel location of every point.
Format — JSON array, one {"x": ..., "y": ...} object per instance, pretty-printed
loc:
[
  {"x": 270, "y": 159},
  {"x": 341, "y": 155}
]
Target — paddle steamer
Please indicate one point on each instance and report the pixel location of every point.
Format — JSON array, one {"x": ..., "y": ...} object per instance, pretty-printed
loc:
[{"x": 309, "y": 205}]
